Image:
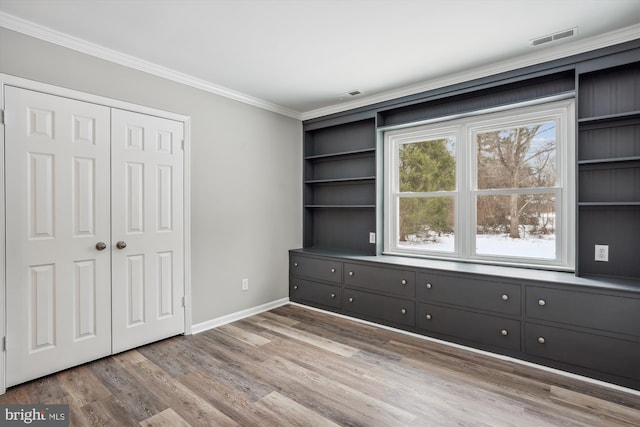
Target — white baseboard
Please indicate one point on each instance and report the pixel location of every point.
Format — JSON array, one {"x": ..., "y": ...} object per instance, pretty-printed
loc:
[{"x": 214, "y": 323}]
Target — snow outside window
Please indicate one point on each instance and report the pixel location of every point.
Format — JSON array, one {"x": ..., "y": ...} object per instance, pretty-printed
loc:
[{"x": 495, "y": 187}]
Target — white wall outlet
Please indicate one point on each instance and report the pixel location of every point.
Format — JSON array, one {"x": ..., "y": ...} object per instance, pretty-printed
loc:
[
  {"x": 245, "y": 284},
  {"x": 372, "y": 237},
  {"x": 602, "y": 253}
]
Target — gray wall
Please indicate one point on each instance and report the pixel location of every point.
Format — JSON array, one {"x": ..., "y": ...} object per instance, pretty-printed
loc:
[{"x": 245, "y": 172}]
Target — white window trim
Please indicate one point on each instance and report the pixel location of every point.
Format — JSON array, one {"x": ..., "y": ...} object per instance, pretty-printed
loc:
[{"x": 463, "y": 128}]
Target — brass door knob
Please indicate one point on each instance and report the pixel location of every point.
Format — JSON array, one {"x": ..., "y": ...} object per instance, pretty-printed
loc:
[
  {"x": 101, "y": 246},
  {"x": 121, "y": 244}
]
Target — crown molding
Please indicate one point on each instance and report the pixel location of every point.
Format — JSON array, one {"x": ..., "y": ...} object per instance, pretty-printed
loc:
[
  {"x": 540, "y": 56},
  {"x": 32, "y": 29}
]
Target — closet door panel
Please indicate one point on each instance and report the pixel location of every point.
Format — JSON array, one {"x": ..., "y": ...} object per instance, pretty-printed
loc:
[
  {"x": 57, "y": 191},
  {"x": 147, "y": 217}
]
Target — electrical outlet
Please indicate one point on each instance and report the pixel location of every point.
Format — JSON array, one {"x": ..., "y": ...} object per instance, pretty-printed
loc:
[
  {"x": 602, "y": 253},
  {"x": 372, "y": 237},
  {"x": 245, "y": 284}
]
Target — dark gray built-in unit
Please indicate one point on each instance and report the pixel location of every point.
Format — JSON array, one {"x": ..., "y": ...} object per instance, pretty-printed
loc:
[
  {"x": 587, "y": 322},
  {"x": 609, "y": 166},
  {"x": 340, "y": 187}
]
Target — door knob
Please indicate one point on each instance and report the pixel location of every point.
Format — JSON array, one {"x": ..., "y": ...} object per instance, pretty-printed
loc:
[
  {"x": 121, "y": 244},
  {"x": 101, "y": 246}
]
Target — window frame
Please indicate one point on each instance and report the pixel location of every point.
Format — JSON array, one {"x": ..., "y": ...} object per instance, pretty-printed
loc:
[{"x": 464, "y": 127}]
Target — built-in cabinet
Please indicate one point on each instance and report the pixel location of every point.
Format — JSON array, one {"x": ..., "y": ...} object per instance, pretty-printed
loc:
[
  {"x": 587, "y": 322},
  {"x": 340, "y": 187},
  {"x": 609, "y": 166}
]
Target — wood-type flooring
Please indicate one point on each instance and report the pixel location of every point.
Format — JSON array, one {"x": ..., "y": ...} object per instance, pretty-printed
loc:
[{"x": 297, "y": 367}]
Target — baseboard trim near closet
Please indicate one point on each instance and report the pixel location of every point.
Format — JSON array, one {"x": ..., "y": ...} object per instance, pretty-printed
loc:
[{"x": 214, "y": 323}]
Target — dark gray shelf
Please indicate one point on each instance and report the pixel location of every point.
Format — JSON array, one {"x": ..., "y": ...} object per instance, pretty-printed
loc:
[
  {"x": 340, "y": 206},
  {"x": 324, "y": 181},
  {"x": 609, "y": 160},
  {"x": 609, "y": 204},
  {"x": 610, "y": 117},
  {"x": 371, "y": 151}
]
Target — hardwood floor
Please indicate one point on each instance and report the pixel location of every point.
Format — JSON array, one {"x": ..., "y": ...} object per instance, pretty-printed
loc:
[{"x": 297, "y": 367}]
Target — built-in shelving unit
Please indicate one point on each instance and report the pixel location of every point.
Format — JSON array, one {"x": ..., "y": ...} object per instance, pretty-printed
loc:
[
  {"x": 340, "y": 187},
  {"x": 609, "y": 166}
]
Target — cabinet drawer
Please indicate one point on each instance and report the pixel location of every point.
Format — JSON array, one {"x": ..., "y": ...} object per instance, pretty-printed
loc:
[
  {"x": 481, "y": 328},
  {"x": 604, "y": 354},
  {"x": 594, "y": 311},
  {"x": 318, "y": 269},
  {"x": 387, "y": 280},
  {"x": 386, "y": 309},
  {"x": 481, "y": 294},
  {"x": 319, "y": 293}
]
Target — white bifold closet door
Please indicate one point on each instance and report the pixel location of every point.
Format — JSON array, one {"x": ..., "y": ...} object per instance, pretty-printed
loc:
[{"x": 79, "y": 179}]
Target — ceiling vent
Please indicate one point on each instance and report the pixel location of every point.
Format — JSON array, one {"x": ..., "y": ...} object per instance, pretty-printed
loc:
[
  {"x": 351, "y": 94},
  {"x": 571, "y": 32}
]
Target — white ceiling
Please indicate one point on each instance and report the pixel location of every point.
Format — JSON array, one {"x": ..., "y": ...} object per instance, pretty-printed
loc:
[{"x": 298, "y": 56}]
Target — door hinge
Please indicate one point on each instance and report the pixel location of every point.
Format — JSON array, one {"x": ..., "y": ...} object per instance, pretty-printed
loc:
[
  {"x": 2, "y": 117},
  {"x": 4, "y": 343},
  {"x": 184, "y": 303},
  {"x": 182, "y": 144}
]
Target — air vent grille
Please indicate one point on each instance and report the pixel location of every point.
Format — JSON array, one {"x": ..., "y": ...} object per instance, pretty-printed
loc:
[{"x": 571, "y": 32}]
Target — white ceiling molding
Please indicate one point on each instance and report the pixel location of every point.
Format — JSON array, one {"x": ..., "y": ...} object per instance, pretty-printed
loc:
[
  {"x": 29, "y": 28},
  {"x": 538, "y": 57}
]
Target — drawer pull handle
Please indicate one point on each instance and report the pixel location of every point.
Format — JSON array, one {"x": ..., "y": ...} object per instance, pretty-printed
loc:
[
  {"x": 404, "y": 282},
  {"x": 333, "y": 270},
  {"x": 429, "y": 285},
  {"x": 541, "y": 340},
  {"x": 295, "y": 287},
  {"x": 505, "y": 297},
  {"x": 350, "y": 299},
  {"x": 295, "y": 264},
  {"x": 333, "y": 295},
  {"x": 351, "y": 273},
  {"x": 504, "y": 332},
  {"x": 541, "y": 302},
  {"x": 428, "y": 316},
  {"x": 403, "y": 311}
]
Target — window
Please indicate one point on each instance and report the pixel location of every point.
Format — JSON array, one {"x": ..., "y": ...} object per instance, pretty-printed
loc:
[{"x": 495, "y": 187}]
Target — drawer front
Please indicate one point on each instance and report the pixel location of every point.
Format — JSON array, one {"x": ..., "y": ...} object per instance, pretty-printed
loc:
[
  {"x": 318, "y": 269},
  {"x": 387, "y": 280},
  {"x": 481, "y": 328},
  {"x": 481, "y": 294},
  {"x": 604, "y": 354},
  {"x": 594, "y": 311},
  {"x": 319, "y": 293},
  {"x": 384, "y": 308}
]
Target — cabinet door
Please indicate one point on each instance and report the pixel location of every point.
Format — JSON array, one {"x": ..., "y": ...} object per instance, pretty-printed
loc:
[
  {"x": 147, "y": 221},
  {"x": 604, "y": 354},
  {"x": 381, "y": 279},
  {"x": 595, "y": 311},
  {"x": 315, "y": 293},
  {"x": 467, "y": 292},
  {"x": 380, "y": 307},
  {"x": 318, "y": 269},
  {"x": 58, "y": 307},
  {"x": 481, "y": 328}
]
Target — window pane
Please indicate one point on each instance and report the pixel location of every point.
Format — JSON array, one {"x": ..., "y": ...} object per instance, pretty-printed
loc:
[
  {"x": 427, "y": 223},
  {"x": 523, "y": 157},
  {"x": 517, "y": 226},
  {"x": 428, "y": 166}
]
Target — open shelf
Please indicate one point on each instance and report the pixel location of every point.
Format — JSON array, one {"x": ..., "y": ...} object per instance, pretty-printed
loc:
[
  {"x": 609, "y": 160},
  {"x": 587, "y": 204},
  {"x": 610, "y": 117},
  {"x": 340, "y": 187},
  {"x": 371, "y": 151}
]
